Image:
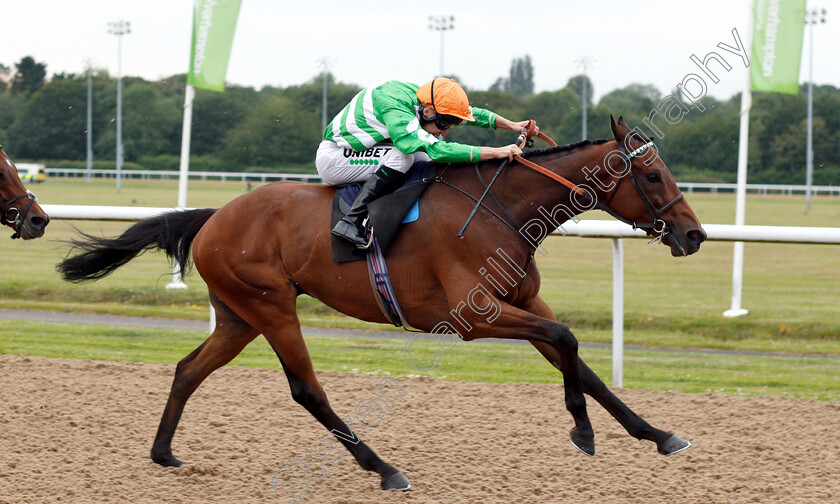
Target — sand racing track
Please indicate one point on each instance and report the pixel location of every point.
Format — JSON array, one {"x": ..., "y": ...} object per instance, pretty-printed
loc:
[{"x": 80, "y": 431}]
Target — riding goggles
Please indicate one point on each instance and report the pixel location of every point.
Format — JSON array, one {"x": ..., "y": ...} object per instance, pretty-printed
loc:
[{"x": 445, "y": 121}]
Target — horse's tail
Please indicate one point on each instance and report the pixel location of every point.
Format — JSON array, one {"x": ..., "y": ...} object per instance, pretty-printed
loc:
[{"x": 172, "y": 232}]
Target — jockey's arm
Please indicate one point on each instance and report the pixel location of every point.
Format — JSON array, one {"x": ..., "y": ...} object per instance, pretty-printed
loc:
[
  {"x": 508, "y": 151},
  {"x": 502, "y": 123},
  {"x": 408, "y": 137}
]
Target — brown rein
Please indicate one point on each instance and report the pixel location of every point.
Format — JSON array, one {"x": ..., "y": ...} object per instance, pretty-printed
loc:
[
  {"x": 657, "y": 225},
  {"x": 525, "y": 138}
]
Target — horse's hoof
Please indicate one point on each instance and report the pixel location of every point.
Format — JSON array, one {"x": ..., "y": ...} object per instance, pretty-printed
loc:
[
  {"x": 672, "y": 445},
  {"x": 584, "y": 443},
  {"x": 166, "y": 460},
  {"x": 396, "y": 481}
]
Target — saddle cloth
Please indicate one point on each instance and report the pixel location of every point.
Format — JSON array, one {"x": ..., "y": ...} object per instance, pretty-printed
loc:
[{"x": 386, "y": 214}]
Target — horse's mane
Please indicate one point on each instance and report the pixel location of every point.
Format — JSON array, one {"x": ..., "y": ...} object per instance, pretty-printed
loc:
[
  {"x": 565, "y": 148},
  {"x": 579, "y": 145}
]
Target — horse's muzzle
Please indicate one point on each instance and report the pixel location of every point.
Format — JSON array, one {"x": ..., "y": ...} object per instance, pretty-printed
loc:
[{"x": 33, "y": 226}]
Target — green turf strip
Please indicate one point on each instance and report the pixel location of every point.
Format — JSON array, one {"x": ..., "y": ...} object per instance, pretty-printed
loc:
[{"x": 808, "y": 378}]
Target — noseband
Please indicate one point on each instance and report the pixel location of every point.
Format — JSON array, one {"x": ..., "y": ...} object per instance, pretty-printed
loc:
[{"x": 12, "y": 216}]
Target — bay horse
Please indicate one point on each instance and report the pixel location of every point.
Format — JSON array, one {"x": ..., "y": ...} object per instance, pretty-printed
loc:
[
  {"x": 265, "y": 248},
  {"x": 19, "y": 209}
]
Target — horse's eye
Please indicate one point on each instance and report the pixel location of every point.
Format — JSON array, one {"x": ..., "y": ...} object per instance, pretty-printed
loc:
[{"x": 653, "y": 177}]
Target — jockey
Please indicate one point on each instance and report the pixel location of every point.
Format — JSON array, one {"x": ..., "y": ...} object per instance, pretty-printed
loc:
[{"x": 379, "y": 135}]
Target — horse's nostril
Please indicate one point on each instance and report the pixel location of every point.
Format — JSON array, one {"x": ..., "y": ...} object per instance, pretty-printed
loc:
[
  {"x": 696, "y": 235},
  {"x": 39, "y": 222}
]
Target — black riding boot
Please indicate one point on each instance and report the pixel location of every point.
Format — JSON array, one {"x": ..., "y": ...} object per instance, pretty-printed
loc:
[{"x": 384, "y": 181}]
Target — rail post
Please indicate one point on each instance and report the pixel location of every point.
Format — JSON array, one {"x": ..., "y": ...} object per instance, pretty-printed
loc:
[{"x": 618, "y": 313}]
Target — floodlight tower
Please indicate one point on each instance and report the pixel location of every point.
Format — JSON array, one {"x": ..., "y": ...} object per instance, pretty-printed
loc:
[
  {"x": 89, "y": 129},
  {"x": 811, "y": 18},
  {"x": 584, "y": 62},
  {"x": 324, "y": 63},
  {"x": 442, "y": 24},
  {"x": 119, "y": 28}
]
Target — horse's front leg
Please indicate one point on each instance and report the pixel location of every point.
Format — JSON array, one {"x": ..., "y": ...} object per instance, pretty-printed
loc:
[
  {"x": 636, "y": 426},
  {"x": 498, "y": 319}
]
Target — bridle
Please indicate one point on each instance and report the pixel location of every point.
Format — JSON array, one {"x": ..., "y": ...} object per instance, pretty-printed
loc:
[
  {"x": 11, "y": 215},
  {"x": 656, "y": 224}
]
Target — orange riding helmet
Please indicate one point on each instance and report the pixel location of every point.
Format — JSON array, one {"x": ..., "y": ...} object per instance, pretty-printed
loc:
[{"x": 446, "y": 97}]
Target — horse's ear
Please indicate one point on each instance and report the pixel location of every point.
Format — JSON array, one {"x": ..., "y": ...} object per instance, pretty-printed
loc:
[
  {"x": 622, "y": 123},
  {"x": 614, "y": 128}
]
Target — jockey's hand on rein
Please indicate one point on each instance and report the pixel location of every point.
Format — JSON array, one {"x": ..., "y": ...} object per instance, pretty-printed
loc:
[{"x": 508, "y": 151}]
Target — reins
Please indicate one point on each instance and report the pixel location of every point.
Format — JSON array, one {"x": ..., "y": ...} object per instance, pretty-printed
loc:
[
  {"x": 527, "y": 141},
  {"x": 524, "y": 139},
  {"x": 510, "y": 223},
  {"x": 657, "y": 225}
]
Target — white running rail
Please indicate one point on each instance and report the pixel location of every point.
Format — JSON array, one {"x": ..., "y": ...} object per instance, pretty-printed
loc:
[{"x": 589, "y": 228}]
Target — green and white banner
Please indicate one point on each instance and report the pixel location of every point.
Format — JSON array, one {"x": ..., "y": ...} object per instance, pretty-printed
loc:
[
  {"x": 214, "y": 23},
  {"x": 778, "y": 26}
]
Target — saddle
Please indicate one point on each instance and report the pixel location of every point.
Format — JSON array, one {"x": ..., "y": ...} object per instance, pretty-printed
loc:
[{"x": 385, "y": 214}]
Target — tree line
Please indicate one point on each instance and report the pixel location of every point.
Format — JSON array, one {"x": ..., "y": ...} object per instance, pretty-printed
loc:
[{"x": 278, "y": 129}]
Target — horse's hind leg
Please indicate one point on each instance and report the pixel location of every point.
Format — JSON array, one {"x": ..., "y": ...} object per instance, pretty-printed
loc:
[
  {"x": 229, "y": 337},
  {"x": 274, "y": 315},
  {"x": 593, "y": 386},
  {"x": 307, "y": 392}
]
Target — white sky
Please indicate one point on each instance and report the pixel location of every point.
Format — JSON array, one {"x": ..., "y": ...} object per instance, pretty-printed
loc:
[{"x": 279, "y": 42}]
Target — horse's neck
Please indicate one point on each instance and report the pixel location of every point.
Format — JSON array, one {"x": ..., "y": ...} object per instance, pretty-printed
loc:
[{"x": 530, "y": 194}]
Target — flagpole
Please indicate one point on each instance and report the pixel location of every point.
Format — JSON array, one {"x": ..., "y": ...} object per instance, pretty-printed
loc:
[
  {"x": 735, "y": 309},
  {"x": 186, "y": 132},
  {"x": 214, "y": 24}
]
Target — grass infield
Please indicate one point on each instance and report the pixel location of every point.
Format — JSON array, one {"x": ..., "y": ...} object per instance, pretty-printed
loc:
[
  {"x": 792, "y": 292},
  {"x": 681, "y": 371}
]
